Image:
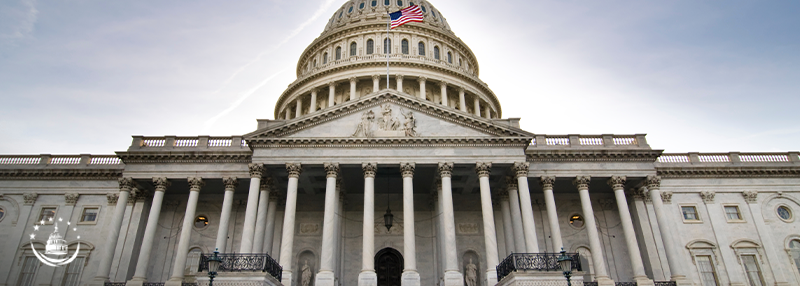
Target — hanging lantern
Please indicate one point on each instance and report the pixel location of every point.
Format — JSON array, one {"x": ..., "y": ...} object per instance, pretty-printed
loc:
[{"x": 388, "y": 218}]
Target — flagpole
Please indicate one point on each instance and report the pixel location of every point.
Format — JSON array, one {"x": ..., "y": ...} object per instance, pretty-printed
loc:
[{"x": 387, "y": 45}]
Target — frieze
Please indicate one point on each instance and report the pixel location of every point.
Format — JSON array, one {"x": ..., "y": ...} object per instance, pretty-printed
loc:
[
  {"x": 60, "y": 174},
  {"x": 186, "y": 157},
  {"x": 592, "y": 155},
  {"x": 308, "y": 229},
  {"x": 468, "y": 228}
]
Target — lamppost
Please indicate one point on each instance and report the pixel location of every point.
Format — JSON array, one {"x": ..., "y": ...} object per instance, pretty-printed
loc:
[
  {"x": 213, "y": 266},
  {"x": 566, "y": 265}
]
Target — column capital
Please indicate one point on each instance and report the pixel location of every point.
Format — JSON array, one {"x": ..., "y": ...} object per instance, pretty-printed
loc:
[
  {"x": 313, "y": 90},
  {"x": 352, "y": 79},
  {"x": 331, "y": 84},
  {"x": 407, "y": 169},
  {"x": 511, "y": 183},
  {"x": 294, "y": 169},
  {"x": 442, "y": 83},
  {"x": 521, "y": 169},
  {"x": 422, "y": 79},
  {"x": 369, "y": 169},
  {"x": 666, "y": 197},
  {"x": 112, "y": 198},
  {"x": 461, "y": 89},
  {"x": 71, "y": 198},
  {"x": 399, "y": 77},
  {"x": 125, "y": 184},
  {"x": 653, "y": 182},
  {"x": 547, "y": 182},
  {"x": 582, "y": 182},
  {"x": 502, "y": 194},
  {"x": 483, "y": 169},
  {"x": 230, "y": 182},
  {"x": 139, "y": 195},
  {"x": 445, "y": 169},
  {"x": 637, "y": 193},
  {"x": 708, "y": 196},
  {"x": 256, "y": 170},
  {"x": 161, "y": 183},
  {"x": 376, "y": 77},
  {"x": 617, "y": 182},
  {"x": 331, "y": 169},
  {"x": 751, "y": 196},
  {"x": 273, "y": 195},
  {"x": 195, "y": 183},
  {"x": 266, "y": 184},
  {"x": 29, "y": 198}
]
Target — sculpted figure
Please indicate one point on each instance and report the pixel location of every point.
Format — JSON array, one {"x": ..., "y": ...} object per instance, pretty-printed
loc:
[
  {"x": 387, "y": 122},
  {"x": 471, "y": 274},
  {"x": 305, "y": 279},
  {"x": 409, "y": 124},
  {"x": 364, "y": 128}
]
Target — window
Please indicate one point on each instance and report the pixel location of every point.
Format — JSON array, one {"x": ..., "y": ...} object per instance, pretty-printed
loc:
[
  {"x": 732, "y": 213},
  {"x": 753, "y": 272},
  {"x": 423, "y": 9},
  {"x": 690, "y": 213},
  {"x": 192, "y": 261},
  {"x": 707, "y": 273},
  {"x": 72, "y": 275},
  {"x": 435, "y": 52},
  {"x": 89, "y": 214},
  {"x": 361, "y": 6},
  {"x": 459, "y": 62},
  {"x": 350, "y": 10},
  {"x": 421, "y": 48},
  {"x": 449, "y": 58},
  {"x": 794, "y": 250},
  {"x": 28, "y": 274},
  {"x": 784, "y": 213},
  {"x": 47, "y": 214},
  {"x": 370, "y": 46},
  {"x": 374, "y": 3},
  {"x": 340, "y": 14},
  {"x": 324, "y": 58},
  {"x": 404, "y": 45},
  {"x": 385, "y": 2},
  {"x": 315, "y": 63},
  {"x": 576, "y": 220},
  {"x": 387, "y": 46},
  {"x": 434, "y": 13},
  {"x": 400, "y": 3},
  {"x": 2, "y": 214},
  {"x": 410, "y": 3},
  {"x": 338, "y": 53},
  {"x": 200, "y": 221},
  {"x": 353, "y": 47}
]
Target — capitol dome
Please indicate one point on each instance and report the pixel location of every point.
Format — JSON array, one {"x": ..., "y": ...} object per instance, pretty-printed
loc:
[{"x": 348, "y": 61}]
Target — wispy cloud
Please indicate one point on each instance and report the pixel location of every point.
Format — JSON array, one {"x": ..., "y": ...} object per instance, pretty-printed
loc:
[
  {"x": 17, "y": 20},
  {"x": 246, "y": 94}
]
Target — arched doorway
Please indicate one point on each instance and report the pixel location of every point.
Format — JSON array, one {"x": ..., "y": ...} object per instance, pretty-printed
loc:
[{"x": 389, "y": 267}]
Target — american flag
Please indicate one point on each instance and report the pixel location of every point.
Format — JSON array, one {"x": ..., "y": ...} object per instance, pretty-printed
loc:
[{"x": 408, "y": 14}]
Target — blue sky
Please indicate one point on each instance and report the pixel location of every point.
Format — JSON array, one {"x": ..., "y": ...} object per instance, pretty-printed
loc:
[{"x": 708, "y": 76}]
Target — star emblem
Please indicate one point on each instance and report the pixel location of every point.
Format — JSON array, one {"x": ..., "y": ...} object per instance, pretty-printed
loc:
[
  {"x": 42, "y": 222},
  {"x": 79, "y": 237},
  {"x": 67, "y": 223},
  {"x": 74, "y": 229},
  {"x": 60, "y": 220},
  {"x": 33, "y": 235},
  {"x": 35, "y": 227},
  {"x": 50, "y": 219}
]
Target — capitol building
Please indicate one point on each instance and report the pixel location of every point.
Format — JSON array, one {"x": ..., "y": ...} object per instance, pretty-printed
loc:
[{"x": 414, "y": 177}]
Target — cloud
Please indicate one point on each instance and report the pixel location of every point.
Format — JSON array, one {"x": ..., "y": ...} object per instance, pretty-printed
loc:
[
  {"x": 238, "y": 102},
  {"x": 17, "y": 20}
]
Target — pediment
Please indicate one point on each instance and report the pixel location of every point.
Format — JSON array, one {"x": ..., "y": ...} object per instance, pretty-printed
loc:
[{"x": 389, "y": 115}]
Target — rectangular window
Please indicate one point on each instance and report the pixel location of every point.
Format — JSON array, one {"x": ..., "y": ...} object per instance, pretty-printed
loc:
[
  {"x": 28, "y": 274},
  {"x": 752, "y": 269},
  {"x": 47, "y": 214},
  {"x": 89, "y": 214},
  {"x": 690, "y": 213},
  {"x": 732, "y": 213},
  {"x": 707, "y": 273},
  {"x": 73, "y": 274}
]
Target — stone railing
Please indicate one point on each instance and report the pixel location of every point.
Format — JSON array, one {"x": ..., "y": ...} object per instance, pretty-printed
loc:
[
  {"x": 589, "y": 141},
  {"x": 147, "y": 142},
  {"x": 534, "y": 261},
  {"x": 380, "y": 57},
  {"x": 731, "y": 158},
  {"x": 65, "y": 160}
]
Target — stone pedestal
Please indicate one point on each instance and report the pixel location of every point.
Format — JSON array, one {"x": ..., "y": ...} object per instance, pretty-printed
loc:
[
  {"x": 368, "y": 278},
  {"x": 324, "y": 278},
  {"x": 453, "y": 278},
  {"x": 286, "y": 278},
  {"x": 491, "y": 277},
  {"x": 240, "y": 279},
  {"x": 410, "y": 278},
  {"x": 541, "y": 278}
]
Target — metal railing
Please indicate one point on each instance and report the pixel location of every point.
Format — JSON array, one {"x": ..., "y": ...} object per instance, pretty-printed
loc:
[
  {"x": 108, "y": 283},
  {"x": 589, "y": 283},
  {"x": 534, "y": 261},
  {"x": 665, "y": 283},
  {"x": 153, "y": 284},
  {"x": 238, "y": 262},
  {"x": 625, "y": 284}
]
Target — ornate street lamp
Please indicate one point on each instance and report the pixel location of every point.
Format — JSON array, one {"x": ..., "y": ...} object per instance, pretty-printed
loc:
[
  {"x": 213, "y": 266},
  {"x": 388, "y": 217},
  {"x": 566, "y": 265}
]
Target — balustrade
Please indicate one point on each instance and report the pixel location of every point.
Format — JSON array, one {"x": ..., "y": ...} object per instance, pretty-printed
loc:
[
  {"x": 728, "y": 158},
  {"x": 534, "y": 261},
  {"x": 46, "y": 159},
  {"x": 238, "y": 262}
]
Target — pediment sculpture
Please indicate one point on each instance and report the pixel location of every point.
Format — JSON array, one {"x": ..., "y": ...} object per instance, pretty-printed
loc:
[{"x": 387, "y": 124}]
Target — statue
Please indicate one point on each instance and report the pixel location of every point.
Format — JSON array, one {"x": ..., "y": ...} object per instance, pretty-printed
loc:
[
  {"x": 471, "y": 274},
  {"x": 305, "y": 273},
  {"x": 387, "y": 122},
  {"x": 410, "y": 123},
  {"x": 365, "y": 127}
]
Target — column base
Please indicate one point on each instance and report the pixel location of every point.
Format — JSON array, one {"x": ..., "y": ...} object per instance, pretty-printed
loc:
[
  {"x": 410, "y": 278},
  {"x": 325, "y": 278},
  {"x": 453, "y": 278},
  {"x": 604, "y": 281},
  {"x": 98, "y": 281},
  {"x": 286, "y": 278},
  {"x": 643, "y": 281},
  {"x": 136, "y": 281},
  {"x": 491, "y": 277},
  {"x": 174, "y": 282},
  {"x": 368, "y": 278}
]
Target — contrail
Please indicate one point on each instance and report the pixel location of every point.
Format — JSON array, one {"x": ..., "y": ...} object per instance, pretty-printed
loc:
[{"x": 239, "y": 101}]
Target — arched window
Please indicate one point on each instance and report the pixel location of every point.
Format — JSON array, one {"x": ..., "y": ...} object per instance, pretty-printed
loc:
[
  {"x": 374, "y": 3},
  {"x": 794, "y": 249},
  {"x": 385, "y": 2},
  {"x": 315, "y": 63},
  {"x": 324, "y": 58},
  {"x": 400, "y": 3},
  {"x": 423, "y": 9},
  {"x": 459, "y": 62},
  {"x": 353, "y": 49},
  {"x": 449, "y": 58},
  {"x": 361, "y": 6},
  {"x": 404, "y": 44},
  {"x": 435, "y": 52},
  {"x": 387, "y": 46},
  {"x": 370, "y": 46},
  {"x": 338, "y": 53},
  {"x": 421, "y": 48},
  {"x": 192, "y": 261},
  {"x": 350, "y": 10}
]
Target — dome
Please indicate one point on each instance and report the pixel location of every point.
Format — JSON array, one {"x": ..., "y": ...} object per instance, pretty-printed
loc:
[{"x": 348, "y": 61}]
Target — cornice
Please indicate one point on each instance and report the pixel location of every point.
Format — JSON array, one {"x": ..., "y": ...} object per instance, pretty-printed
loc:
[
  {"x": 186, "y": 157},
  {"x": 648, "y": 156},
  {"x": 728, "y": 172},
  {"x": 60, "y": 174}
]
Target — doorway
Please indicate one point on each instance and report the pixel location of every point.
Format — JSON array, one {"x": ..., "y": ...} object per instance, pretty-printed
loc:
[{"x": 389, "y": 267}]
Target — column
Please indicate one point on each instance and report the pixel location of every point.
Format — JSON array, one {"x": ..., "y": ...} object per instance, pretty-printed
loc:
[
  {"x": 368, "y": 277},
  {"x": 325, "y": 276},
  {"x": 487, "y": 111},
  {"x": 437, "y": 199},
  {"x": 225, "y": 217},
  {"x": 410, "y": 274},
  {"x": 764, "y": 233},
  {"x": 452, "y": 273},
  {"x": 331, "y": 93},
  {"x": 287, "y": 113},
  {"x": 528, "y": 224},
  {"x": 399, "y": 79},
  {"x": 256, "y": 171},
  {"x": 353, "y": 82},
  {"x": 489, "y": 236},
  {"x": 617, "y": 184},
  {"x": 672, "y": 249},
  {"x": 552, "y": 215},
  {"x": 508, "y": 229},
  {"x": 287, "y": 239},
  {"x": 601, "y": 274},
  {"x": 477, "y": 106},
  {"x": 516, "y": 215},
  {"x": 313, "y": 104},
  {"x": 445, "y": 100},
  {"x": 261, "y": 215},
  {"x": 140, "y": 275},
  {"x": 195, "y": 183},
  {"x": 269, "y": 232},
  {"x": 421, "y": 81},
  {"x": 110, "y": 245},
  {"x": 462, "y": 103},
  {"x": 376, "y": 82},
  {"x": 339, "y": 228},
  {"x": 298, "y": 109}
]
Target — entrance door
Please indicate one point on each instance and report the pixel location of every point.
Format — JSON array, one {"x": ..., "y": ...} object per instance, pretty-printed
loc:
[{"x": 389, "y": 267}]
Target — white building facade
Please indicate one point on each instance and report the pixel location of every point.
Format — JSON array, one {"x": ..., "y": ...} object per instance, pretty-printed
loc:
[{"x": 414, "y": 178}]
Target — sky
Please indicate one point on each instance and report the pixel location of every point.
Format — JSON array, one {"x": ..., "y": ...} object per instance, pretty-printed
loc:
[{"x": 696, "y": 76}]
